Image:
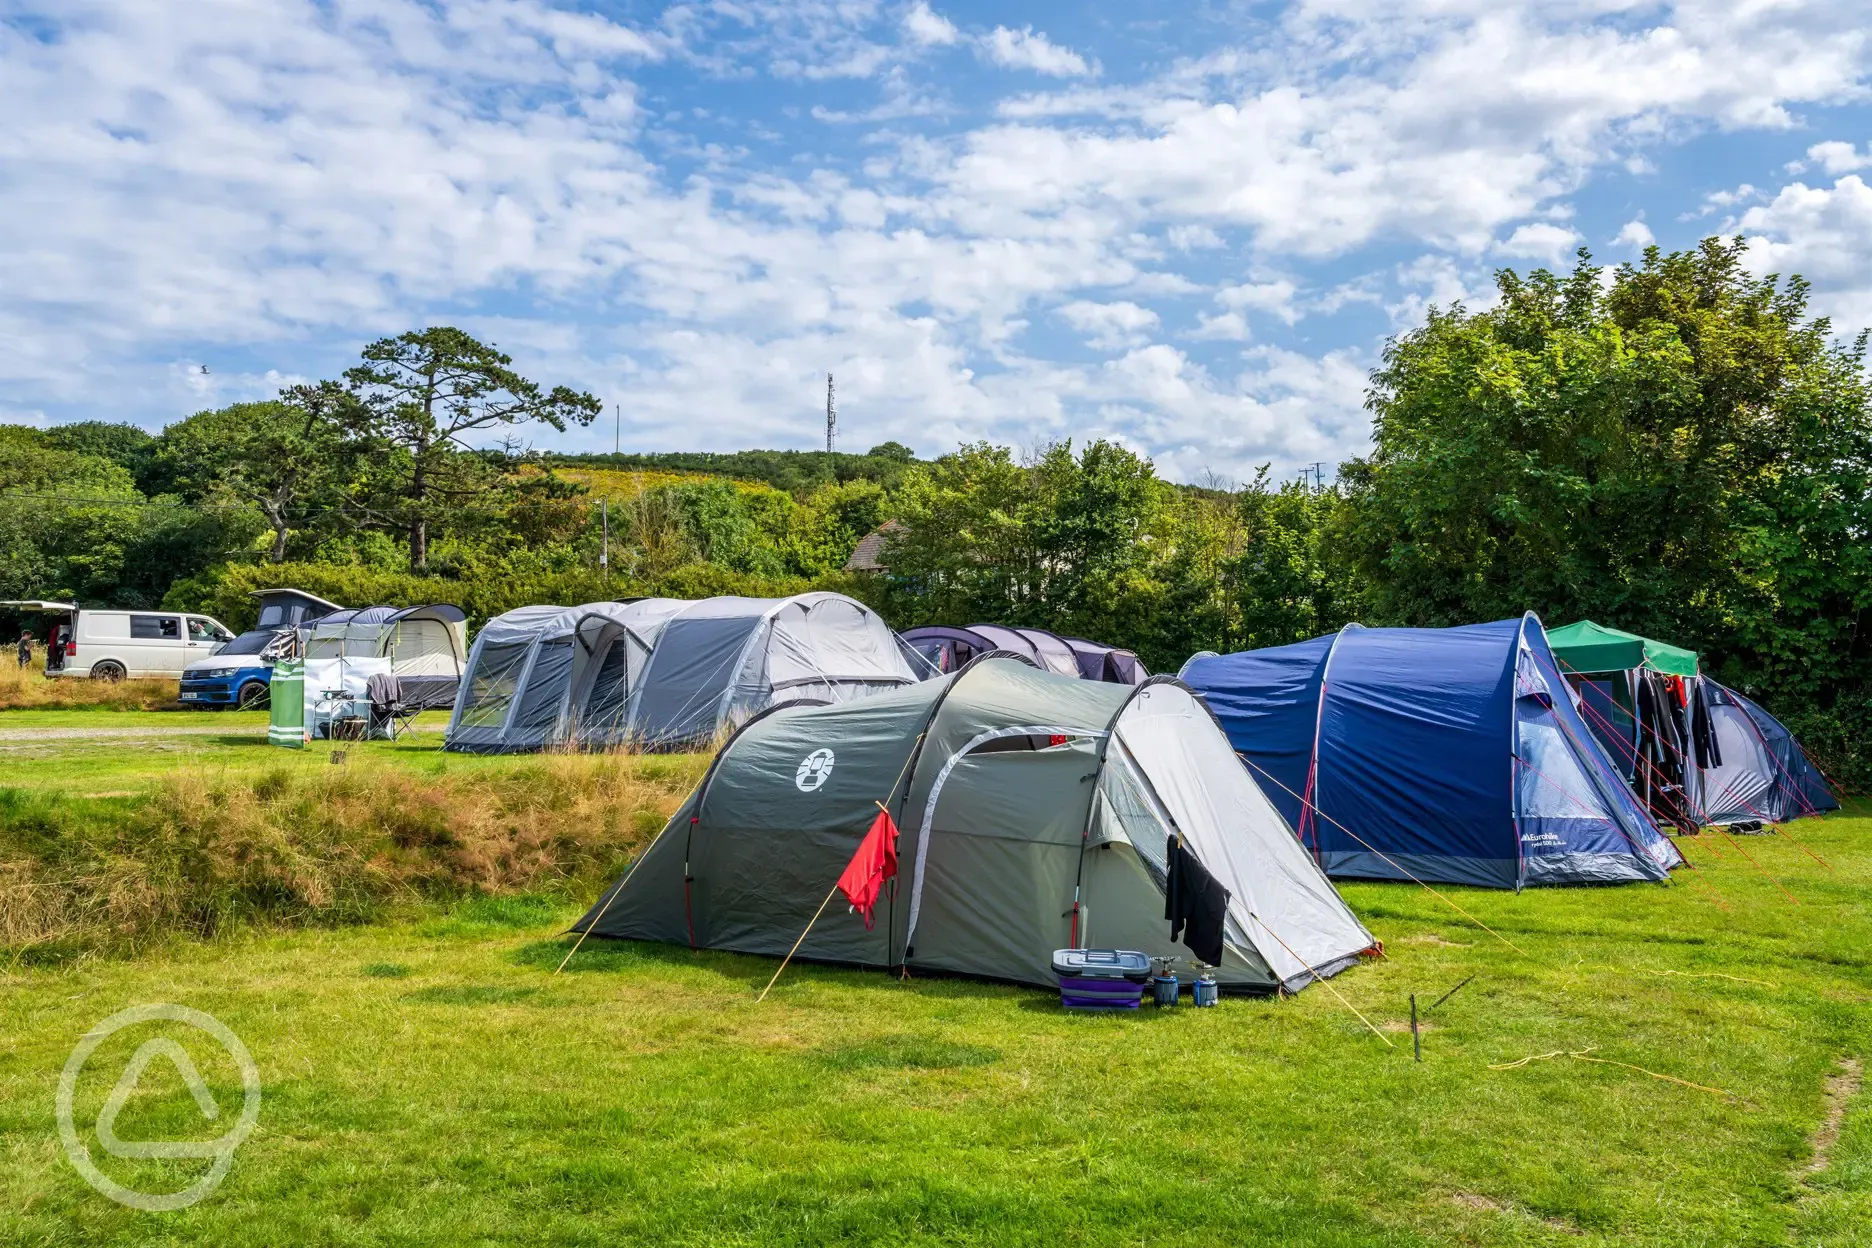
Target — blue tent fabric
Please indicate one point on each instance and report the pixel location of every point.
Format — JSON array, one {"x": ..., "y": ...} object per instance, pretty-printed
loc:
[
  {"x": 1453, "y": 755},
  {"x": 1765, "y": 775}
]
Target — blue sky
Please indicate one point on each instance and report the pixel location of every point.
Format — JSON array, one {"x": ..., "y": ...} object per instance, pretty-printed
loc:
[{"x": 1189, "y": 227}]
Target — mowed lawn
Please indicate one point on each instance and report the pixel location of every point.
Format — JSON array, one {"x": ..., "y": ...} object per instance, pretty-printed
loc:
[{"x": 435, "y": 1082}]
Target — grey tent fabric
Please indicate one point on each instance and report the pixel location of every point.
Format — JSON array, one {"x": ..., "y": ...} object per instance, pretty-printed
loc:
[
  {"x": 1034, "y": 809},
  {"x": 662, "y": 673},
  {"x": 723, "y": 660},
  {"x": 543, "y": 676}
]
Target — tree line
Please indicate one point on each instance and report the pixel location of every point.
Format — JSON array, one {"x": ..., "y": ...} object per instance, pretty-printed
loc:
[{"x": 1674, "y": 446}]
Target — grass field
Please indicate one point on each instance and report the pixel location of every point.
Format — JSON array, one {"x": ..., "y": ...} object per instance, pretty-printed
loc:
[
  {"x": 28, "y": 688},
  {"x": 433, "y": 1081},
  {"x": 118, "y": 754}
]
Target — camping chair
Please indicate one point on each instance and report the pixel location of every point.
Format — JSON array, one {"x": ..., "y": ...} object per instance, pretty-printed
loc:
[{"x": 390, "y": 716}]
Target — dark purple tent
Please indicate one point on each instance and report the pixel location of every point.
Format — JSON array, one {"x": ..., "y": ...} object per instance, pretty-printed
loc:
[
  {"x": 950, "y": 648},
  {"x": 1114, "y": 667}
]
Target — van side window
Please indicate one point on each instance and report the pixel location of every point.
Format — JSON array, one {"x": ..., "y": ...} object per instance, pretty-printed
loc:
[
  {"x": 155, "y": 628},
  {"x": 202, "y": 630}
]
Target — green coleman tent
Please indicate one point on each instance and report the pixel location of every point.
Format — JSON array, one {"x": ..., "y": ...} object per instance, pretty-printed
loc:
[
  {"x": 1590, "y": 647},
  {"x": 1036, "y": 814},
  {"x": 286, "y": 725}
]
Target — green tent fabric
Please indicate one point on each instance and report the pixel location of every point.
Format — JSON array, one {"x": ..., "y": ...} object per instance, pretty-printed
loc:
[
  {"x": 1029, "y": 803},
  {"x": 1590, "y": 647},
  {"x": 286, "y": 724}
]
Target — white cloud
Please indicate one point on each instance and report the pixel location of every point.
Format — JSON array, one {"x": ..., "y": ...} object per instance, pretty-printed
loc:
[
  {"x": 1110, "y": 326},
  {"x": 280, "y": 180},
  {"x": 1030, "y": 49},
  {"x": 1825, "y": 235},
  {"x": 1540, "y": 240},
  {"x": 1634, "y": 234},
  {"x": 1837, "y": 158},
  {"x": 926, "y": 26},
  {"x": 1275, "y": 298}
]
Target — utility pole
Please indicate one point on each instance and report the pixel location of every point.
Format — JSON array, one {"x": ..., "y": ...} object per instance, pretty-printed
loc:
[
  {"x": 604, "y": 555},
  {"x": 831, "y": 418},
  {"x": 617, "y": 427}
]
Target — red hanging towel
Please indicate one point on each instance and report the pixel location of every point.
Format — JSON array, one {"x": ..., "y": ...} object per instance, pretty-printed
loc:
[{"x": 875, "y": 862}]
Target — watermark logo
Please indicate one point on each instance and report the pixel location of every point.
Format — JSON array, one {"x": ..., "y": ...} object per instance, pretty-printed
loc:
[
  {"x": 814, "y": 770},
  {"x": 221, "y": 1149}
]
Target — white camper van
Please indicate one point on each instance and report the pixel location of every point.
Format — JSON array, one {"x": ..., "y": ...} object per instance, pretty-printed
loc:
[{"x": 110, "y": 645}]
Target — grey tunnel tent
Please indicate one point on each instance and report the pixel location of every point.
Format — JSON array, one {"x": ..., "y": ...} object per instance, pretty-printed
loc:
[
  {"x": 1017, "y": 791},
  {"x": 662, "y": 673},
  {"x": 547, "y": 676}
]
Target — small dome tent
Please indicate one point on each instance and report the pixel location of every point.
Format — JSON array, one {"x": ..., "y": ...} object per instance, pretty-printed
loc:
[
  {"x": 1760, "y": 772},
  {"x": 1701, "y": 752},
  {"x": 546, "y": 675},
  {"x": 722, "y": 660},
  {"x": 425, "y": 645},
  {"x": 1452, "y": 755},
  {"x": 1030, "y": 805}
]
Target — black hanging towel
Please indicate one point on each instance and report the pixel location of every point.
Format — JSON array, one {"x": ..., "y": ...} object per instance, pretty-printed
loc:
[{"x": 1195, "y": 903}]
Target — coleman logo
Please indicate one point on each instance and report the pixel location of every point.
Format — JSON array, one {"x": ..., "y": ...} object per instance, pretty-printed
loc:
[{"x": 814, "y": 770}]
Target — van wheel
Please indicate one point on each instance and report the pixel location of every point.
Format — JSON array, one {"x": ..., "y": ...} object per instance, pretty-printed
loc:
[
  {"x": 108, "y": 670},
  {"x": 254, "y": 695}
]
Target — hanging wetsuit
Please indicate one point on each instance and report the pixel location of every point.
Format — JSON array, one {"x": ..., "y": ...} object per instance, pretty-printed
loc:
[
  {"x": 1196, "y": 901},
  {"x": 1708, "y": 753}
]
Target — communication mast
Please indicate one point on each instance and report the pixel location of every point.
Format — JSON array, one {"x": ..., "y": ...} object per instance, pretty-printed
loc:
[{"x": 831, "y": 418}]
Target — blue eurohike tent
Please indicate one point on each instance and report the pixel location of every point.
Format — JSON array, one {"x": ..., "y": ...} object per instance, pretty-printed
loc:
[{"x": 1452, "y": 755}]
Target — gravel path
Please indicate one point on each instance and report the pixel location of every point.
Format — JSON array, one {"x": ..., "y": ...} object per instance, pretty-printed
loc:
[{"x": 153, "y": 731}]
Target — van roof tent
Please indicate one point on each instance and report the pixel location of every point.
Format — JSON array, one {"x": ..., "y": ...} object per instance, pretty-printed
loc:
[
  {"x": 1589, "y": 647},
  {"x": 1013, "y": 787},
  {"x": 1453, "y": 755},
  {"x": 266, "y": 595},
  {"x": 550, "y": 675}
]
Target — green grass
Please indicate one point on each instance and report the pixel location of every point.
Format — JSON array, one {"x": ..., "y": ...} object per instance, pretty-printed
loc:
[
  {"x": 38, "y": 754},
  {"x": 435, "y": 1083}
]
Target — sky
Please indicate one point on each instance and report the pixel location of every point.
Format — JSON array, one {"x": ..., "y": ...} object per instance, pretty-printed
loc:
[{"x": 1189, "y": 227}]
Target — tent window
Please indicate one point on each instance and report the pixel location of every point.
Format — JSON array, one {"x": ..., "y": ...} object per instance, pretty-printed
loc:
[
  {"x": 491, "y": 686},
  {"x": 1028, "y": 741}
]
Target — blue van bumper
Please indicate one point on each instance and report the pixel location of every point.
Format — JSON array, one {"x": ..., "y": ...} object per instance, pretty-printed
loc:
[{"x": 200, "y": 689}]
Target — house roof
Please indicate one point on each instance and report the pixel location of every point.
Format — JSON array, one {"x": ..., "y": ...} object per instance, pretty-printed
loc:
[{"x": 864, "y": 557}]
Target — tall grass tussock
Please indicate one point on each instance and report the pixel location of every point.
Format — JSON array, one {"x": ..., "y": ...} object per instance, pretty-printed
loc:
[
  {"x": 205, "y": 851},
  {"x": 28, "y": 689}
]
